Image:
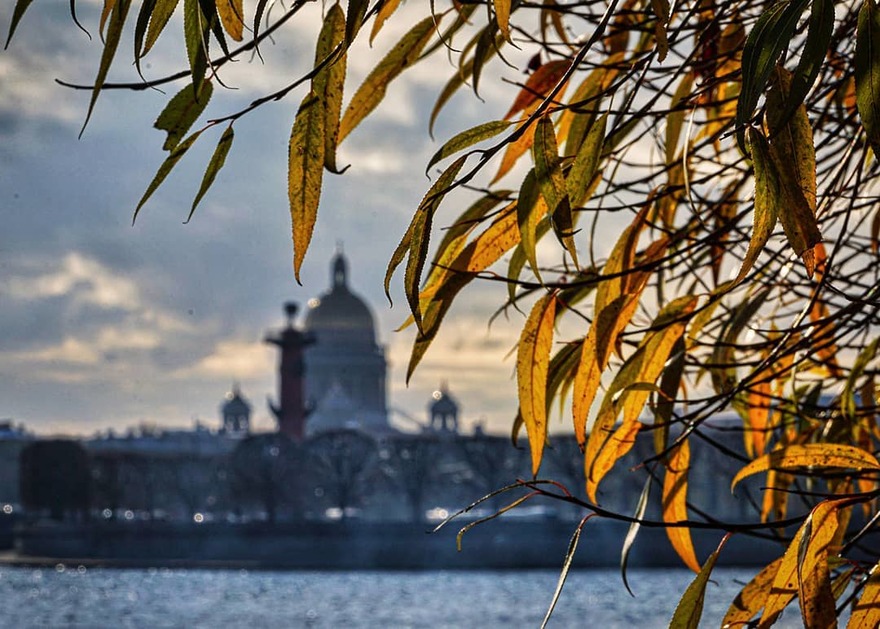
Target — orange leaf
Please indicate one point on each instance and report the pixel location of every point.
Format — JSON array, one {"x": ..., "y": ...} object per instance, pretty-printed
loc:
[
  {"x": 538, "y": 85},
  {"x": 533, "y": 359},
  {"x": 675, "y": 483}
]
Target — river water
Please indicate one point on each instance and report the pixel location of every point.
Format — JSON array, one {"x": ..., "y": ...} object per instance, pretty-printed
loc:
[{"x": 71, "y": 596}]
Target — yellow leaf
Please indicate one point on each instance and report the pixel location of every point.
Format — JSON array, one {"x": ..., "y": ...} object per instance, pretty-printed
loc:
[
  {"x": 675, "y": 118},
  {"x": 675, "y": 483},
  {"x": 866, "y": 612},
  {"x": 804, "y": 569},
  {"x": 532, "y": 361},
  {"x": 809, "y": 455},
  {"x": 388, "y": 7},
  {"x": 371, "y": 92},
  {"x": 690, "y": 607},
  {"x": 502, "y": 16},
  {"x": 767, "y": 194},
  {"x": 479, "y": 254},
  {"x": 530, "y": 207},
  {"x": 586, "y": 384},
  {"x": 305, "y": 161},
  {"x": 627, "y": 393},
  {"x": 232, "y": 18},
  {"x": 752, "y": 597},
  {"x": 791, "y": 143},
  {"x": 329, "y": 81}
]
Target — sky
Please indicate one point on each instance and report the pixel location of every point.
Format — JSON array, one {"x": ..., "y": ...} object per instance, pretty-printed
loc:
[{"x": 105, "y": 324}]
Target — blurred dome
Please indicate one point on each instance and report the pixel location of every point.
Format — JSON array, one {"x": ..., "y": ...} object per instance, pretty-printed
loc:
[{"x": 339, "y": 316}]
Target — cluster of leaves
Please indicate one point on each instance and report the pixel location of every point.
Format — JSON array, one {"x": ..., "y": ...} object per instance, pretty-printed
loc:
[{"x": 730, "y": 145}]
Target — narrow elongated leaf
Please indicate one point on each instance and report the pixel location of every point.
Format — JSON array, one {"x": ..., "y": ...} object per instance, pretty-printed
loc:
[
  {"x": 675, "y": 483},
  {"x": 661, "y": 10},
  {"x": 815, "y": 596},
  {"x": 809, "y": 455},
  {"x": 805, "y": 558},
  {"x": 548, "y": 173},
  {"x": 768, "y": 196},
  {"x": 385, "y": 11},
  {"x": 196, "y": 29},
  {"x": 690, "y": 608},
  {"x": 105, "y": 15},
  {"x": 866, "y": 612},
  {"x": 354, "y": 18},
  {"x": 633, "y": 531},
  {"x": 167, "y": 166},
  {"x": 514, "y": 151},
  {"x": 17, "y": 13},
  {"x": 586, "y": 385},
  {"x": 769, "y": 36},
  {"x": 819, "y": 33},
  {"x": 161, "y": 13},
  {"x": 231, "y": 17},
  {"x": 502, "y": 16},
  {"x": 140, "y": 31},
  {"x": 305, "y": 168},
  {"x": 675, "y": 118},
  {"x": 752, "y": 597},
  {"x": 111, "y": 43},
  {"x": 181, "y": 112},
  {"x": 468, "y": 138},
  {"x": 586, "y": 163},
  {"x": 372, "y": 90},
  {"x": 538, "y": 85},
  {"x": 848, "y": 397},
  {"x": 418, "y": 246},
  {"x": 794, "y": 161},
  {"x": 218, "y": 159},
  {"x": 530, "y": 208},
  {"x": 479, "y": 254},
  {"x": 628, "y": 394},
  {"x": 532, "y": 361},
  {"x": 329, "y": 82},
  {"x": 867, "y": 71},
  {"x": 566, "y": 566}
]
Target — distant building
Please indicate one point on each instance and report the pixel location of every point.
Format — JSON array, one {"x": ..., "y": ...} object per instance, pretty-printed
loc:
[
  {"x": 345, "y": 368},
  {"x": 443, "y": 413},
  {"x": 235, "y": 413}
]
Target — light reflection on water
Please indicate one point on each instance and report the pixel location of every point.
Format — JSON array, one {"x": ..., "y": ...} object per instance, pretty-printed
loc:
[{"x": 70, "y": 597}]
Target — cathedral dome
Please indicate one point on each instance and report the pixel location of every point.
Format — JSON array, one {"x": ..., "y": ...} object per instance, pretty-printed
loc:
[{"x": 340, "y": 316}]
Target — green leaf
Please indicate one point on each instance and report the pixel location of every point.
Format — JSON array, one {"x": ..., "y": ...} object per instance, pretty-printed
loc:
[
  {"x": 196, "y": 29},
  {"x": 17, "y": 13},
  {"x": 586, "y": 163},
  {"x": 690, "y": 607},
  {"x": 111, "y": 43},
  {"x": 548, "y": 173},
  {"x": 357, "y": 10},
  {"x": 329, "y": 82},
  {"x": 140, "y": 31},
  {"x": 160, "y": 15},
  {"x": 530, "y": 208},
  {"x": 166, "y": 167},
  {"x": 468, "y": 138},
  {"x": 181, "y": 112},
  {"x": 767, "y": 197},
  {"x": 305, "y": 160},
  {"x": 767, "y": 40},
  {"x": 867, "y": 71},
  {"x": 421, "y": 234},
  {"x": 218, "y": 159},
  {"x": 372, "y": 90},
  {"x": 821, "y": 29}
]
